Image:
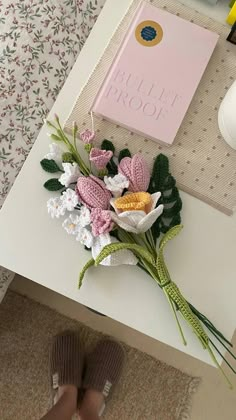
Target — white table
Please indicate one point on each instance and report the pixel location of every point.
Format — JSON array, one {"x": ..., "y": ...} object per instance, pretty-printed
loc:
[{"x": 201, "y": 259}]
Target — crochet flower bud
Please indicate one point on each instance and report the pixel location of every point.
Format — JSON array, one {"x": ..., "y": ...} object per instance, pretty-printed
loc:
[
  {"x": 87, "y": 136},
  {"x": 92, "y": 192},
  {"x": 100, "y": 158},
  {"x": 135, "y": 169}
]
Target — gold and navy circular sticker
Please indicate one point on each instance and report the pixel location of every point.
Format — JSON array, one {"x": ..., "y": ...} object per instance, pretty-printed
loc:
[{"x": 149, "y": 33}]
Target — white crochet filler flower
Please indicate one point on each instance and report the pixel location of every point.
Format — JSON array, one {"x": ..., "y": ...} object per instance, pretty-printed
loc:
[
  {"x": 85, "y": 237},
  {"x": 71, "y": 224},
  {"x": 76, "y": 224},
  {"x": 116, "y": 184},
  {"x": 55, "y": 207},
  {"x": 85, "y": 219},
  {"x": 71, "y": 173},
  {"x": 55, "y": 153},
  {"x": 69, "y": 199}
]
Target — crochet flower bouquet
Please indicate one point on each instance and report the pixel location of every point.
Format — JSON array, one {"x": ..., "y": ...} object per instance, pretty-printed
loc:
[{"x": 124, "y": 214}]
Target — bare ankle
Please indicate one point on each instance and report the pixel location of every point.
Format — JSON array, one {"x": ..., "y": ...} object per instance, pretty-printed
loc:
[
  {"x": 70, "y": 390},
  {"x": 91, "y": 406}
]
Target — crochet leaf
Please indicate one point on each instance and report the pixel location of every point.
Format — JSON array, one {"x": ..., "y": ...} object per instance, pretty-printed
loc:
[
  {"x": 173, "y": 291},
  {"x": 49, "y": 165},
  {"x": 169, "y": 236},
  {"x": 124, "y": 153},
  {"x": 108, "y": 145},
  {"x": 138, "y": 250},
  {"x": 89, "y": 264},
  {"x": 163, "y": 181},
  {"x": 111, "y": 166},
  {"x": 53, "y": 184}
]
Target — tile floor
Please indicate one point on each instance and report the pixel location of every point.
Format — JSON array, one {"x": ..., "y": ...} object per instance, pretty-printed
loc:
[{"x": 213, "y": 401}]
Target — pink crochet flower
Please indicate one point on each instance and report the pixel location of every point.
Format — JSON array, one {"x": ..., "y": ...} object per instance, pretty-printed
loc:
[
  {"x": 101, "y": 221},
  {"x": 100, "y": 158},
  {"x": 136, "y": 171},
  {"x": 87, "y": 136},
  {"x": 92, "y": 192}
]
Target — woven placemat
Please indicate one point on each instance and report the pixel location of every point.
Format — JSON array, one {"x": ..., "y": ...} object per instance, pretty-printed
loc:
[{"x": 203, "y": 164}]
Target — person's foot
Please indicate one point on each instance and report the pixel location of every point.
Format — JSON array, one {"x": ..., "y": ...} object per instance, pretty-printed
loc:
[
  {"x": 66, "y": 365},
  {"x": 70, "y": 390},
  {"x": 103, "y": 370}
]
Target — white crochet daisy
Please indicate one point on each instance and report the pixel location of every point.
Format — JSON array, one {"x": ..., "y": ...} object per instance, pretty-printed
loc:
[
  {"x": 69, "y": 199},
  {"x": 85, "y": 237},
  {"x": 55, "y": 207},
  {"x": 71, "y": 224},
  {"x": 85, "y": 219}
]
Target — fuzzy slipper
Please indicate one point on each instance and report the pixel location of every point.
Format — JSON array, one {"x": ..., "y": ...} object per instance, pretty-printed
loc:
[
  {"x": 103, "y": 367},
  {"x": 66, "y": 361}
]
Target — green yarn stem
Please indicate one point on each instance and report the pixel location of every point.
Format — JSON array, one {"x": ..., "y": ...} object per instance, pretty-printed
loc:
[
  {"x": 146, "y": 242},
  {"x": 208, "y": 324},
  {"x": 176, "y": 318},
  {"x": 75, "y": 130},
  {"x": 226, "y": 361},
  {"x": 219, "y": 367},
  {"x": 72, "y": 149},
  {"x": 89, "y": 264},
  {"x": 154, "y": 265},
  {"x": 223, "y": 344},
  {"x": 151, "y": 241}
]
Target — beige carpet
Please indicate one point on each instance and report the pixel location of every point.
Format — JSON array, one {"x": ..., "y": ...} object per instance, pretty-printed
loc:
[{"x": 148, "y": 389}]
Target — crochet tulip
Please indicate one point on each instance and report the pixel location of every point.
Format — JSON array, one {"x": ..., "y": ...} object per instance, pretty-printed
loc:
[
  {"x": 135, "y": 169},
  {"x": 92, "y": 192}
]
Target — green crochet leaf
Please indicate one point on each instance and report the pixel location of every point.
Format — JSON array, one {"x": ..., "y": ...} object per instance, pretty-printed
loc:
[
  {"x": 49, "y": 165},
  {"x": 111, "y": 166},
  {"x": 89, "y": 264},
  {"x": 160, "y": 172},
  {"x": 124, "y": 153},
  {"x": 53, "y": 184},
  {"x": 169, "y": 236},
  {"x": 163, "y": 181},
  {"x": 138, "y": 250},
  {"x": 108, "y": 145}
]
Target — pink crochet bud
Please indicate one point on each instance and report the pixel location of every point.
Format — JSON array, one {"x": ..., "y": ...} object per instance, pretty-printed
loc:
[
  {"x": 101, "y": 221},
  {"x": 136, "y": 171},
  {"x": 100, "y": 158},
  {"x": 87, "y": 136},
  {"x": 92, "y": 192}
]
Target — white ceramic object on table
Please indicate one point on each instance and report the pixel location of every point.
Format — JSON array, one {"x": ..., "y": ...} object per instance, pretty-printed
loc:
[{"x": 227, "y": 116}]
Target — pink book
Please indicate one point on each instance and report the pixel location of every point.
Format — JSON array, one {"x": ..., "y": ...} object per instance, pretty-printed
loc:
[{"x": 155, "y": 74}]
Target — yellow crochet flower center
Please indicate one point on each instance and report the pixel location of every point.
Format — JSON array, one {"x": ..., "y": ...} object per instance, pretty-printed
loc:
[{"x": 134, "y": 201}]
